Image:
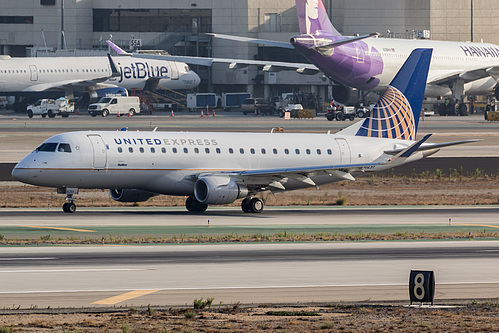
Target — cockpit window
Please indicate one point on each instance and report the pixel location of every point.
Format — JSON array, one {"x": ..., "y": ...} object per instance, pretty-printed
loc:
[
  {"x": 64, "y": 147},
  {"x": 47, "y": 146}
]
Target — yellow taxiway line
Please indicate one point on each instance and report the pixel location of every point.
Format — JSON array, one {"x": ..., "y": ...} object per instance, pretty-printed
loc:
[
  {"x": 125, "y": 297},
  {"x": 55, "y": 228},
  {"x": 477, "y": 225}
]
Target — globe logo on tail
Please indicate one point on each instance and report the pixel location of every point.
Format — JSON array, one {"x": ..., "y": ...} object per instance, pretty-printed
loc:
[{"x": 391, "y": 118}]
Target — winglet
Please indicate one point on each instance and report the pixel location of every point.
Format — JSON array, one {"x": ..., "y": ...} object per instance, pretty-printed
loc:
[
  {"x": 114, "y": 69},
  {"x": 116, "y": 48}
]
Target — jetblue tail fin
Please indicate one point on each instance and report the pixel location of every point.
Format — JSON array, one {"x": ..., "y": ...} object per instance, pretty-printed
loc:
[
  {"x": 396, "y": 115},
  {"x": 312, "y": 17}
]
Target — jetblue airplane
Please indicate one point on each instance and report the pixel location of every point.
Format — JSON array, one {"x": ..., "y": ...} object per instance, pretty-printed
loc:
[
  {"x": 370, "y": 63},
  {"x": 219, "y": 168},
  {"x": 65, "y": 75}
]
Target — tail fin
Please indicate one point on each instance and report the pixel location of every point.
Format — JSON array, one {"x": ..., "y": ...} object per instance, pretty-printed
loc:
[
  {"x": 396, "y": 115},
  {"x": 312, "y": 17}
]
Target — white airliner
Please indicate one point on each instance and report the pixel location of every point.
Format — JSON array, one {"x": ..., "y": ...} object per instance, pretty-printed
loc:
[
  {"x": 69, "y": 74},
  {"x": 219, "y": 168}
]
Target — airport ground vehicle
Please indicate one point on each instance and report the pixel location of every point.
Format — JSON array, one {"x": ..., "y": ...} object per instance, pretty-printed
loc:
[
  {"x": 258, "y": 106},
  {"x": 234, "y": 100},
  {"x": 340, "y": 112},
  {"x": 61, "y": 106},
  {"x": 203, "y": 100},
  {"x": 115, "y": 105}
]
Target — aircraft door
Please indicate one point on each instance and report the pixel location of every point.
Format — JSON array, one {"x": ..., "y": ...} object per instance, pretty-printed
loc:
[
  {"x": 174, "y": 70},
  {"x": 359, "y": 53},
  {"x": 344, "y": 151},
  {"x": 99, "y": 150},
  {"x": 33, "y": 73}
]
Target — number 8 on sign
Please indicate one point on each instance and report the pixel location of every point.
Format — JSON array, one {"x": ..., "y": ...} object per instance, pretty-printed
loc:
[{"x": 419, "y": 286}]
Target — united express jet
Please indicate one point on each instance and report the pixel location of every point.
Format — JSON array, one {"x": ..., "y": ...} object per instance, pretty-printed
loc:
[{"x": 220, "y": 168}]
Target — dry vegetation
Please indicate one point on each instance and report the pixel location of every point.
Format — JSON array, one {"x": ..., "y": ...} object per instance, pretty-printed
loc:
[{"x": 470, "y": 317}]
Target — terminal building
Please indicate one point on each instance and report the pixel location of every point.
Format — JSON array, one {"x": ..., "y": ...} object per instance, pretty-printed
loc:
[{"x": 38, "y": 27}]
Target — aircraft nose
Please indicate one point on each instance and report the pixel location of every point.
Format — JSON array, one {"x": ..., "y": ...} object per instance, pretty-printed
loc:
[{"x": 197, "y": 79}]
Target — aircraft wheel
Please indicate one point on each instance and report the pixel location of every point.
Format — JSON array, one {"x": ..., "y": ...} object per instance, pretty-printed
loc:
[
  {"x": 30, "y": 114},
  {"x": 69, "y": 207},
  {"x": 245, "y": 205},
  {"x": 463, "y": 109},
  {"x": 105, "y": 112},
  {"x": 256, "y": 205},
  {"x": 339, "y": 116},
  {"x": 195, "y": 206}
]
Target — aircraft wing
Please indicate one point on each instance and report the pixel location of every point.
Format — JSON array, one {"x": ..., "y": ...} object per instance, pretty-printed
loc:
[
  {"x": 440, "y": 77},
  {"x": 270, "y": 66}
]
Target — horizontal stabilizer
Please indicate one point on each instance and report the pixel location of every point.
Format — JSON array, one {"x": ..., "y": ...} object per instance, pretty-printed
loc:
[
  {"x": 430, "y": 146},
  {"x": 267, "y": 42}
]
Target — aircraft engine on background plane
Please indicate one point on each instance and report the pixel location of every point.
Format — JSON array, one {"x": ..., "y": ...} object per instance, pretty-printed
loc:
[
  {"x": 215, "y": 190},
  {"x": 130, "y": 195}
]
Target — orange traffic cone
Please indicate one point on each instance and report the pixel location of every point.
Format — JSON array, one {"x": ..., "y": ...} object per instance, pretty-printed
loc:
[
  {"x": 256, "y": 112},
  {"x": 202, "y": 113},
  {"x": 171, "y": 114},
  {"x": 207, "y": 110},
  {"x": 213, "y": 112},
  {"x": 118, "y": 115},
  {"x": 129, "y": 114}
]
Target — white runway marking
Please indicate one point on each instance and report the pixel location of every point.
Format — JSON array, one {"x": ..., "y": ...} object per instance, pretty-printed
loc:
[
  {"x": 76, "y": 270},
  {"x": 15, "y": 259}
]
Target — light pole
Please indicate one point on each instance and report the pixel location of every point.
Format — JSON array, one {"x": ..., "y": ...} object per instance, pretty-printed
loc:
[{"x": 472, "y": 20}]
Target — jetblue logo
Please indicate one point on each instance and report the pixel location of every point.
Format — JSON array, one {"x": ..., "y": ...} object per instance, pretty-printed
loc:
[
  {"x": 481, "y": 51},
  {"x": 142, "y": 70}
]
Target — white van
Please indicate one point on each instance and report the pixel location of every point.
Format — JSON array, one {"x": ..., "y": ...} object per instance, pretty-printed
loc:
[{"x": 126, "y": 105}]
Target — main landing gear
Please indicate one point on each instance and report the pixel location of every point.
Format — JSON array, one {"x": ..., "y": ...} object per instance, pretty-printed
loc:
[
  {"x": 194, "y": 206},
  {"x": 252, "y": 205}
]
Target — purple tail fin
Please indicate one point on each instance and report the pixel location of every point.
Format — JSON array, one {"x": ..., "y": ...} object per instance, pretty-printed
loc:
[{"x": 312, "y": 17}]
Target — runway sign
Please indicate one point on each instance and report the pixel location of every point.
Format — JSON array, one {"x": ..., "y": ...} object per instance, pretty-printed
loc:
[{"x": 422, "y": 286}]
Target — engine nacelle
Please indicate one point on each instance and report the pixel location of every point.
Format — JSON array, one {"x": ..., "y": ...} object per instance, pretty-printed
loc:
[
  {"x": 218, "y": 190},
  {"x": 122, "y": 195},
  {"x": 341, "y": 93}
]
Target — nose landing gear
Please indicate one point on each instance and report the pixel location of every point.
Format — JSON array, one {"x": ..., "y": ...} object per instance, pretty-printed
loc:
[{"x": 69, "y": 206}]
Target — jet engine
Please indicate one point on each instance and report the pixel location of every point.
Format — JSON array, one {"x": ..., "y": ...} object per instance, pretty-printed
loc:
[
  {"x": 123, "y": 195},
  {"x": 218, "y": 190},
  {"x": 341, "y": 93}
]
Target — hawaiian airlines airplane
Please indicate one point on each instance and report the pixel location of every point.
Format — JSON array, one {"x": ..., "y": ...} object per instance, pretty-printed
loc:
[
  {"x": 25, "y": 76},
  {"x": 370, "y": 63},
  {"x": 219, "y": 168}
]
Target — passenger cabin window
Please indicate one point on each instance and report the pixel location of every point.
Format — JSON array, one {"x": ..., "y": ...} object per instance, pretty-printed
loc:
[
  {"x": 186, "y": 150},
  {"x": 275, "y": 151},
  {"x": 264, "y": 151},
  {"x": 218, "y": 151},
  {"x": 286, "y": 151},
  {"x": 141, "y": 149},
  {"x": 196, "y": 150},
  {"x": 64, "y": 147},
  {"x": 252, "y": 150},
  {"x": 174, "y": 150},
  {"x": 153, "y": 150},
  {"x": 130, "y": 149},
  {"x": 47, "y": 146},
  {"x": 163, "y": 150},
  {"x": 329, "y": 152},
  {"x": 231, "y": 151},
  {"x": 297, "y": 151},
  {"x": 307, "y": 151},
  {"x": 318, "y": 151},
  {"x": 241, "y": 150},
  {"x": 207, "y": 150},
  {"x": 120, "y": 150}
]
